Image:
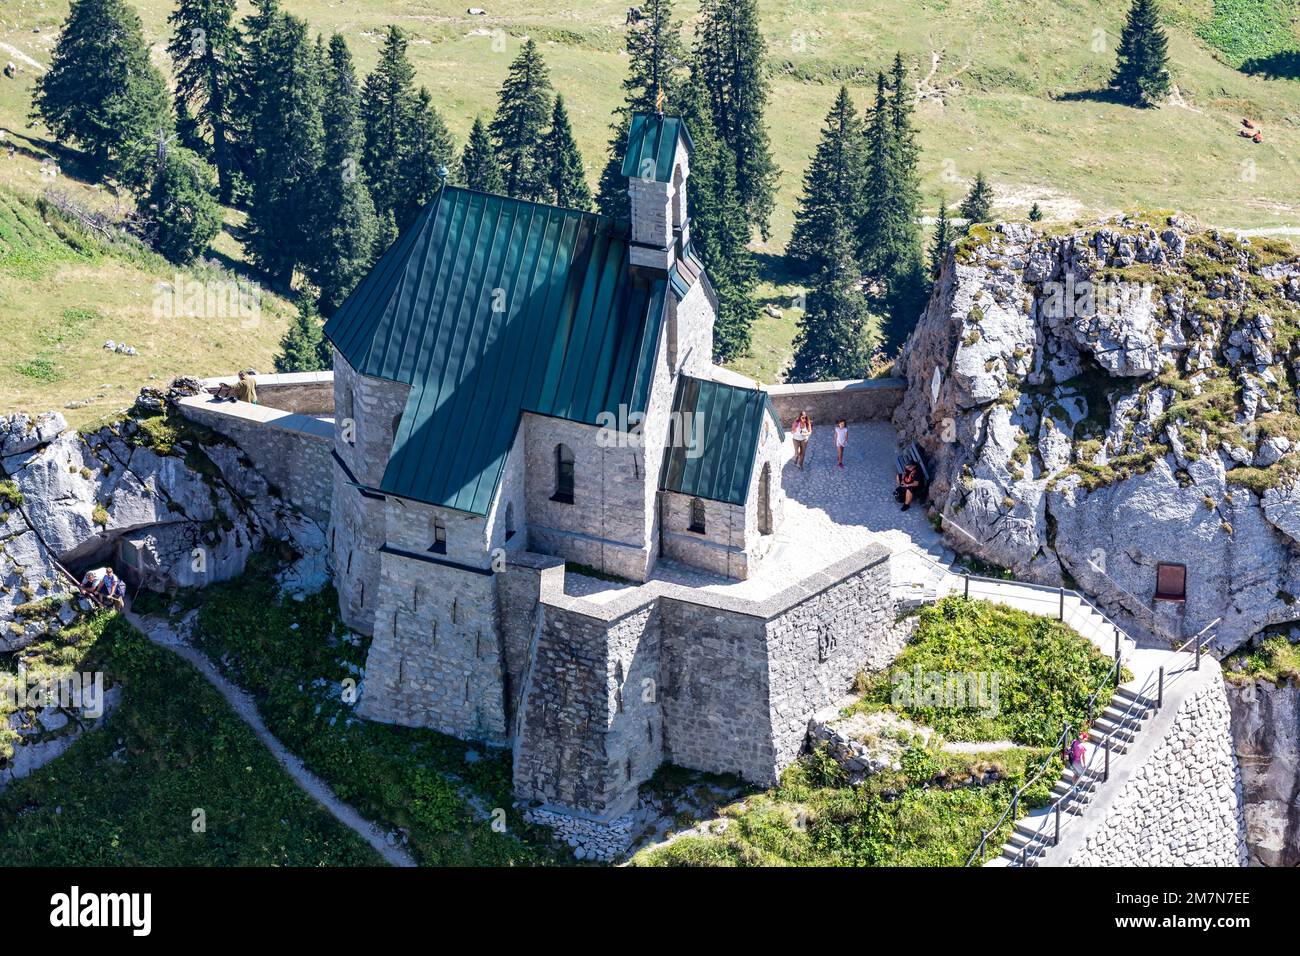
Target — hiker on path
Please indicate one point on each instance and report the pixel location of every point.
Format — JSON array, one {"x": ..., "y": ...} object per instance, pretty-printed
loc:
[
  {"x": 801, "y": 431},
  {"x": 841, "y": 439}
]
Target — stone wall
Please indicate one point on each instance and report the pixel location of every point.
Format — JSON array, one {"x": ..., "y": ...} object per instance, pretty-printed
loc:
[
  {"x": 290, "y": 450},
  {"x": 1181, "y": 804},
  {"x": 719, "y": 548},
  {"x": 307, "y": 393},
  {"x": 665, "y": 672},
  {"x": 367, "y": 411},
  {"x": 864, "y": 400},
  {"x": 1266, "y": 734}
]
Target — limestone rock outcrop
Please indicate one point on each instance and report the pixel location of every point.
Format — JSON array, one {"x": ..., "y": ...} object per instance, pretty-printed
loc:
[
  {"x": 1098, "y": 403},
  {"x": 170, "y": 503}
]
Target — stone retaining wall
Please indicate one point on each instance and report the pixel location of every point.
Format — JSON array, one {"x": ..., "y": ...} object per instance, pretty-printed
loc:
[
  {"x": 863, "y": 400},
  {"x": 307, "y": 393},
  {"x": 700, "y": 679},
  {"x": 290, "y": 450},
  {"x": 1182, "y": 802}
]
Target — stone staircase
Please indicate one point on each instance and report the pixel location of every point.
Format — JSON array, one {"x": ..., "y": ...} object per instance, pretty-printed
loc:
[
  {"x": 922, "y": 575},
  {"x": 1115, "y": 729}
]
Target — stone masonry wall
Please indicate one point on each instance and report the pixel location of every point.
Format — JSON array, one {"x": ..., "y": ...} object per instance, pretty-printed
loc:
[
  {"x": 704, "y": 681},
  {"x": 867, "y": 400},
  {"x": 365, "y": 410},
  {"x": 436, "y": 660},
  {"x": 1183, "y": 806},
  {"x": 1266, "y": 735},
  {"x": 292, "y": 452}
]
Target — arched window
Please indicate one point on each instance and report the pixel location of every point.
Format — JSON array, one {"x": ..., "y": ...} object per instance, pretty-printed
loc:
[
  {"x": 439, "y": 537},
  {"x": 510, "y": 520},
  {"x": 697, "y": 515},
  {"x": 563, "y": 474}
]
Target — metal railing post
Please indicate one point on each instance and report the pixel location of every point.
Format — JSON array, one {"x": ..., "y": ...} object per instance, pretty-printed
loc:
[
  {"x": 1106, "y": 772},
  {"x": 984, "y": 845},
  {"x": 1061, "y": 612},
  {"x": 1160, "y": 694},
  {"x": 1117, "y": 643},
  {"x": 1056, "y": 840},
  {"x": 966, "y": 595},
  {"x": 1198, "y": 653}
]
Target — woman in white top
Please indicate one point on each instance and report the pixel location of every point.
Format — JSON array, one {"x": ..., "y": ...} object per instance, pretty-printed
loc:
[
  {"x": 801, "y": 431},
  {"x": 841, "y": 439}
]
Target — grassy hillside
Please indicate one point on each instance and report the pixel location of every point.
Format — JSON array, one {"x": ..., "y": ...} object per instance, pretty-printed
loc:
[{"x": 1006, "y": 87}]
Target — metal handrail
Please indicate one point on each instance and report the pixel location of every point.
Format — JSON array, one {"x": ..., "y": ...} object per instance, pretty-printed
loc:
[{"x": 1114, "y": 671}]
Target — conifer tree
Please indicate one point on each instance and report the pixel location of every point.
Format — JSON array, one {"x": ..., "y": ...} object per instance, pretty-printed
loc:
[
  {"x": 1141, "y": 76},
  {"x": 978, "y": 204},
  {"x": 655, "y": 57},
  {"x": 427, "y": 152},
  {"x": 251, "y": 69},
  {"x": 720, "y": 229},
  {"x": 183, "y": 214},
  {"x": 832, "y": 185},
  {"x": 304, "y": 348},
  {"x": 1035, "y": 213},
  {"x": 837, "y": 333},
  {"x": 478, "y": 161},
  {"x": 203, "y": 49},
  {"x": 728, "y": 56},
  {"x": 101, "y": 91},
  {"x": 519, "y": 127},
  {"x": 942, "y": 240},
  {"x": 388, "y": 103},
  {"x": 346, "y": 228},
  {"x": 563, "y": 163},
  {"x": 287, "y": 151}
]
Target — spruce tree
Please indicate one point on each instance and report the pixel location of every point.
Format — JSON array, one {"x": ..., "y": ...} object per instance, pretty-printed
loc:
[
  {"x": 837, "y": 333},
  {"x": 978, "y": 204},
  {"x": 388, "y": 103},
  {"x": 288, "y": 149},
  {"x": 728, "y": 57},
  {"x": 304, "y": 348},
  {"x": 478, "y": 161},
  {"x": 1035, "y": 213},
  {"x": 203, "y": 49},
  {"x": 251, "y": 69},
  {"x": 832, "y": 185},
  {"x": 346, "y": 228},
  {"x": 655, "y": 57},
  {"x": 1141, "y": 76},
  {"x": 101, "y": 91},
  {"x": 426, "y": 154},
  {"x": 942, "y": 240},
  {"x": 720, "y": 230},
  {"x": 889, "y": 234},
  {"x": 519, "y": 127},
  {"x": 563, "y": 163},
  {"x": 183, "y": 215}
]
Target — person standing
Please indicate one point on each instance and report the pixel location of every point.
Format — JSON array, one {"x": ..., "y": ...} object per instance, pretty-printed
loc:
[
  {"x": 841, "y": 439},
  {"x": 801, "y": 431},
  {"x": 1078, "y": 752}
]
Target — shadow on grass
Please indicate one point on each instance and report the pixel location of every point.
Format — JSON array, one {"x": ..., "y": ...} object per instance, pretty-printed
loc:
[{"x": 1284, "y": 65}]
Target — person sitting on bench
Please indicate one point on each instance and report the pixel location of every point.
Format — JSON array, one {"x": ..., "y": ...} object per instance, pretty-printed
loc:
[
  {"x": 909, "y": 484},
  {"x": 103, "y": 584}
]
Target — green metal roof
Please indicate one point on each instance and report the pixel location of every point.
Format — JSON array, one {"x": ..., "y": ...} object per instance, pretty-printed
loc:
[
  {"x": 685, "y": 272},
  {"x": 651, "y": 145},
  {"x": 720, "y": 425},
  {"x": 489, "y": 307}
]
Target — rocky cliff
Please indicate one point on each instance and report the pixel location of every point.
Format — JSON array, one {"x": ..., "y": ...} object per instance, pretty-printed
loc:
[
  {"x": 1100, "y": 401},
  {"x": 169, "y": 503},
  {"x": 1266, "y": 735}
]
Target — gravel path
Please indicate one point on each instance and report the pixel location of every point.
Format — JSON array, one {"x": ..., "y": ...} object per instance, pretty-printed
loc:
[{"x": 162, "y": 634}]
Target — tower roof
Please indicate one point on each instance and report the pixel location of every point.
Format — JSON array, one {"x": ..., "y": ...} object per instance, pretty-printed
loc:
[
  {"x": 489, "y": 307},
  {"x": 652, "y": 144}
]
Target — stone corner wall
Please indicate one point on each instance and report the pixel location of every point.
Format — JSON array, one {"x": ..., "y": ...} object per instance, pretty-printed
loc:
[
  {"x": 669, "y": 673},
  {"x": 1266, "y": 734},
  {"x": 1183, "y": 805}
]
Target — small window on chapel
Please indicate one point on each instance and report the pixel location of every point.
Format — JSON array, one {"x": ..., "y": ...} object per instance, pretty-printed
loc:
[
  {"x": 563, "y": 474},
  {"x": 510, "y": 520},
  {"x": 697, "y": 516},
  {"x": 439, "y": 537}
]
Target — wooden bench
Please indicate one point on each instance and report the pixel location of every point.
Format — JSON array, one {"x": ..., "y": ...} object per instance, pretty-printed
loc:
[{"x": 912, "y": 455}]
